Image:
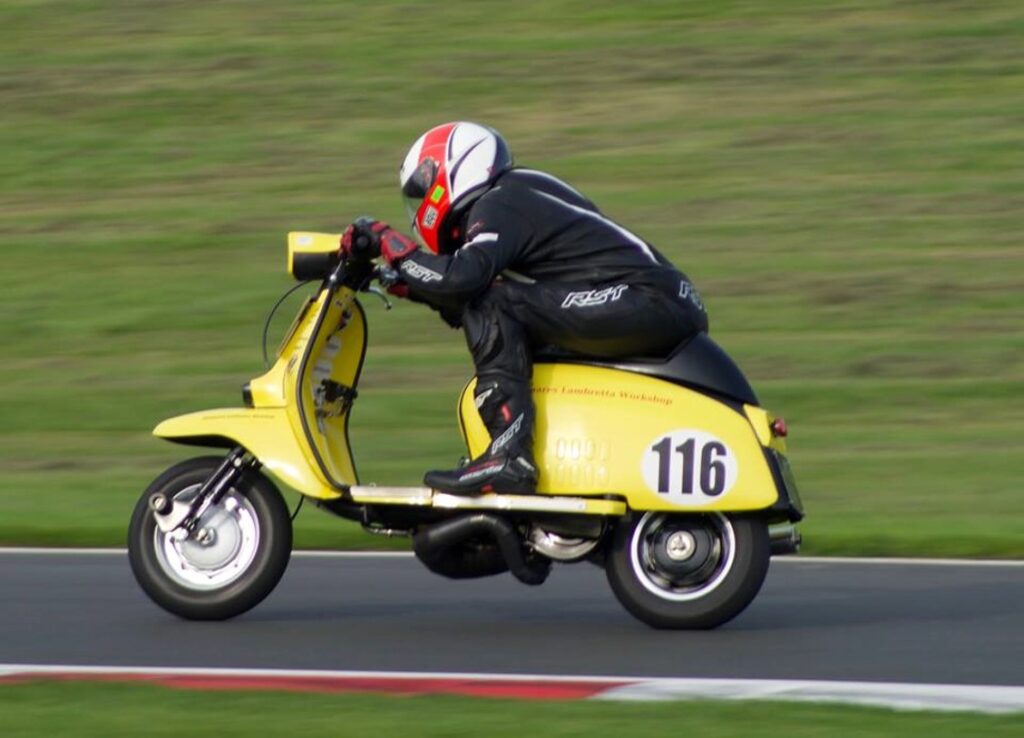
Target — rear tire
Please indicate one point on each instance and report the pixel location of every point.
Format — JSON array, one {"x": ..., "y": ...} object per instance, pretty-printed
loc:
[
  {"x": 687, "y": 571},
  {"x": 238, "y": 555}
]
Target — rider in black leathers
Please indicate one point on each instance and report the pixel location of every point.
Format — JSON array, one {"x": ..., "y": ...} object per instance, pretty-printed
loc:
[{"x": 527, "y": 262}]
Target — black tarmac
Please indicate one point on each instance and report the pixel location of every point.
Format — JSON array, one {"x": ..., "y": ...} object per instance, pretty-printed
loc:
[{"x": 958, "y": 624}]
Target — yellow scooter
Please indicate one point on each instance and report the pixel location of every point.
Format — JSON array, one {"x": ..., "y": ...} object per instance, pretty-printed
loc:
[{"x": 666, "y": 472}]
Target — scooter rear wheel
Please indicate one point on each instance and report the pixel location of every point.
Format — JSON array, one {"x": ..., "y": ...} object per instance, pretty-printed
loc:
[
  {"x": 233, "y": 560},
  {"x": 687, "y": 571}
]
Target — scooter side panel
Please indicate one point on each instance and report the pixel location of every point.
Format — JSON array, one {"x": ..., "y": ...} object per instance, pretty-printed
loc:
[
  {"x": 762, "y": 420},
  {"x": 660, "y": 445},
  {"x": 271, "y": 389},
  {"x": 319, "y": 419},
  {"x": 263, "y": 432}
]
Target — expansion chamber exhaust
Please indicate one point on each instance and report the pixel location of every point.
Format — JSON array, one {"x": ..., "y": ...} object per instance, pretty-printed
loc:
[{"x": 477, "y": 545}]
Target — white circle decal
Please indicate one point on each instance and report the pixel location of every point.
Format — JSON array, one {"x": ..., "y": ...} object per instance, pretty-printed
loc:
[{"x": 689, "y": 467}]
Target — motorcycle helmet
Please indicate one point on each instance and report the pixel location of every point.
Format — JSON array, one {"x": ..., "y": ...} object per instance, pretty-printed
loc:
[{"x": 448, "y": 168}]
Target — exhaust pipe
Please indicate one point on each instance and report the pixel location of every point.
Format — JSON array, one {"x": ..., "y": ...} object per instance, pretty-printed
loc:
[
  {"x": 785, "y": 539},
  {"x": 441, "y": 549}
]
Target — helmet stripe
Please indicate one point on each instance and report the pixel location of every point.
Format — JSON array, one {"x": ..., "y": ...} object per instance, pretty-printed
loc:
[
  {"x": 469, "y": 152},
  {"x": 465, "y": 155}
]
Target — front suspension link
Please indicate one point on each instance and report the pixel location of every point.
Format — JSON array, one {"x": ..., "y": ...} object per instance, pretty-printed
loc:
[{"x": 172, "y": 516}]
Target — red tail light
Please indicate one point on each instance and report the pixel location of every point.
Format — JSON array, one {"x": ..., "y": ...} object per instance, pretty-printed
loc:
[{"x": 780, "y": 428}]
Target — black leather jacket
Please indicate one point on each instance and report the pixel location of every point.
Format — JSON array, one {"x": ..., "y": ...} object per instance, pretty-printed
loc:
[{"x": 534, "y": 227}]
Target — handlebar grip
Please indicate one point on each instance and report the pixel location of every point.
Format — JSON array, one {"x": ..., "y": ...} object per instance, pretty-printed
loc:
[
  {"x": 360, "y": 246},
  {"x": 316, "y": 265}
]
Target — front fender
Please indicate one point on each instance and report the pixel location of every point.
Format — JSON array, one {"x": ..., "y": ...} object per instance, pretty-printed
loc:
[{"x": 264, "y": 432}]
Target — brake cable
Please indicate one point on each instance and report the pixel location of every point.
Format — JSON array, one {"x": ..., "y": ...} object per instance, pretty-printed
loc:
[
  {"x": 302, "y": 498},
  {"x": 270, "y": 316}
]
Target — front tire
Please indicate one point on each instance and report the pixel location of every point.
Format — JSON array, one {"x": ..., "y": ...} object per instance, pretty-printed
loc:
[
  {"x": 233, "y": 560},
  {"x": 687, "y": 571}
]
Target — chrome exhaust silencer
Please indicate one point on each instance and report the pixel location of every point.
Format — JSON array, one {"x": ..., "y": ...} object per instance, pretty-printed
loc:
[{"x": 785, "y": 539}]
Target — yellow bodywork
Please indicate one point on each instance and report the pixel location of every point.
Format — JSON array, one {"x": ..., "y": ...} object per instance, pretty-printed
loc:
[
  {"x": 265, "y": 433},
  {"x": 602, "y": 431},
  {"x": 606, "y": 440},
  {"x": 307, "y": 242},
  {"x": 296, "y": 428}
]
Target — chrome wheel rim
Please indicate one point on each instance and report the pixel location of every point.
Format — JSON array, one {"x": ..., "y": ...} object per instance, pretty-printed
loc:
[
  {"x": 220, "y": 549},
  {"x": 682, "y": 558}
]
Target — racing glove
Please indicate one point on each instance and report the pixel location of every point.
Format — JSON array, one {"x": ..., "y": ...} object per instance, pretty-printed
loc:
[
  {"x": 362, "y": 238},
  {"x": 370, "y": 238},
  {"x": 395, "y": 245}
]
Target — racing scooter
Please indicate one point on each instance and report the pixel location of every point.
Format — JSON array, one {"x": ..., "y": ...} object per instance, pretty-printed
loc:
[{"x": 666, "y": 472}]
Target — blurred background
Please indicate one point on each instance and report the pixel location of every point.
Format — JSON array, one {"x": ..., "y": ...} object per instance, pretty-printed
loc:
[{"x": 843, "y": 181}]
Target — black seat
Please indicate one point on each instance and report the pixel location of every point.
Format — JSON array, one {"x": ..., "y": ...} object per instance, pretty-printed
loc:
[{"x": 697, "y": 362}]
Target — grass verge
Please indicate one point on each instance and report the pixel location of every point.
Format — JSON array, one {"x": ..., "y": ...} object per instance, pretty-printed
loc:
[
  {"x": 109, "y": 711},
  {"x": 844, "y": 182}
]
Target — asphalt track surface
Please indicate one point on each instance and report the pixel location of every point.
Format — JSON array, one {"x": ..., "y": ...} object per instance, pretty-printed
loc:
[{"x": 896, "y": 622}]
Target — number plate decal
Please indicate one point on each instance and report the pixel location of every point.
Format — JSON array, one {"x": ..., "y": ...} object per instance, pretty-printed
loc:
[{"x": 689, "y": 467}]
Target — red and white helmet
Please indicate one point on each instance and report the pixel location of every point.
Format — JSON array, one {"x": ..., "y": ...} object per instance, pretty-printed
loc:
[{"x": 447, "y": 169}]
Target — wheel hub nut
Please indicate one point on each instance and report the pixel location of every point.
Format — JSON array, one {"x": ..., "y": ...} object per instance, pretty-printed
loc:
[
  {"x": 160, "y": 504},
  {"x": 680, "y": 546},
  {"x": 206, "y": 537}
]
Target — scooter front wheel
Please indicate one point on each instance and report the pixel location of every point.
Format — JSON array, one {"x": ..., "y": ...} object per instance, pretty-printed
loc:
[
  {"x": 233, "y": 558},
  {"x": 687, "y": 571}
]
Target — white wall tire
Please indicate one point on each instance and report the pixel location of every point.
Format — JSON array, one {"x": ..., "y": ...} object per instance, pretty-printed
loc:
[
  {"x": 240, "y": 556},
  {"x": 687, "y": 571}
]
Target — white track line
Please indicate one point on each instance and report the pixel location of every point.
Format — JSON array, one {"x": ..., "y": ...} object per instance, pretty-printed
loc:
[
  {"x": 903, "y": 696},
  {"x": 899, "y": 696},
  {"x": 43, "y": 669},
  {"x": 887, "y": 561},
  {"x": 894, "y": 561},
  {"x": 16, "y": 551}
]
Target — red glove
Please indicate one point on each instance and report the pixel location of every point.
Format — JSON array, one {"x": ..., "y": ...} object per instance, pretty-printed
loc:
[
  {"x": 362, "y": 238},
  {"x": 369, "y": 238},
  {"x": 395, "y": 246}
]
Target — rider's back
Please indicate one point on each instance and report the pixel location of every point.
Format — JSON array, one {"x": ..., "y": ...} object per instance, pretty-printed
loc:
[{"x": 562, "y": 236}]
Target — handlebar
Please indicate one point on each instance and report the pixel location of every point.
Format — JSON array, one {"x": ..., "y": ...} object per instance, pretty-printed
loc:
[
  {"x": 359, "y": 273},
  {"x": 386, "y": 275}
]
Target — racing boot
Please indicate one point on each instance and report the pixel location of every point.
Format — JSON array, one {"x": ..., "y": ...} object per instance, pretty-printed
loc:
[{"x": 507, "y": 466}]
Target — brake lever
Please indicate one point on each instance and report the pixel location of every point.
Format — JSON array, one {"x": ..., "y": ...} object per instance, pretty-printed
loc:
[{"x": 373, "y": 289}]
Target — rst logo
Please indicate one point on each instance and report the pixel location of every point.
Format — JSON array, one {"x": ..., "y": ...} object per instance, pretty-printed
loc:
[
  {"x": 690, "y": 467},
  {"x": 590, "y": 298}
]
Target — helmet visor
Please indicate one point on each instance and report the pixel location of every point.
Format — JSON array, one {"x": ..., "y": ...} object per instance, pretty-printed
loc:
[
  {"x": 412, "y": 206},
  {"x": 418, "y": 185}
]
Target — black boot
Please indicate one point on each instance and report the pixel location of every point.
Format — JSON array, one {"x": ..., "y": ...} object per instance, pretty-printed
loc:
[
  {"x": 507, "y": 466},
  {"x": 503, "y": 474}
]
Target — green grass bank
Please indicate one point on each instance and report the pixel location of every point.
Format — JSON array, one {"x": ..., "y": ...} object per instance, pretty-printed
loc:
[
  {"x": 844, "y": 182},
  {"x": 110, "y": 711}
]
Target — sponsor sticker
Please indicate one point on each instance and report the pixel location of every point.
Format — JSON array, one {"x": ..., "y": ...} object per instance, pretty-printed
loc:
[
  {"x": 429, "y": 217},
  {"x": 437, "y": 194},
  {"x": 689, "y": 467}
]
